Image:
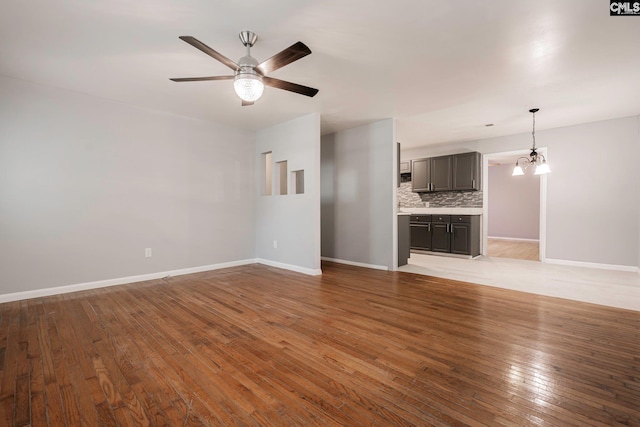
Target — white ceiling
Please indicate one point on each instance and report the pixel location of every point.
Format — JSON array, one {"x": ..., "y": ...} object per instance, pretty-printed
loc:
[{"x": 442, "y": 68}]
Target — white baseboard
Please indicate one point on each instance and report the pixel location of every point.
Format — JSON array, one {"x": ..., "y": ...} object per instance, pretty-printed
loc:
[
  {"x": 356, "y": 264},
  {"x": 613, "y": 267},
  {"x": 16, "y": 296},
  {"x": 513, "y": 239},
  {"x": 296, "y": 268}
]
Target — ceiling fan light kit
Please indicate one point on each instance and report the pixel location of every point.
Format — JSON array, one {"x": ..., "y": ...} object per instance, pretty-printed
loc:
[
  {"x": 249, "y": 76},
  {"x": 535, "y": 159},
  {"x": 248, "y": 83}
]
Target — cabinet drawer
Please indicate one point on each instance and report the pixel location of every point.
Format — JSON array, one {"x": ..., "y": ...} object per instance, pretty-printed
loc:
[
  {"x": 419, "y": 219},
  {"x": 460, "y": 219},
  {"x": 441, "y": 218}
]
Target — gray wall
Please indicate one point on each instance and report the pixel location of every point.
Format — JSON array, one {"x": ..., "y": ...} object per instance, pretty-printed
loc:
[
  {"x": 86, "y": 184},
  {"x": 293, "y": 220},
  {"x": 593, "y": 205},
  {"x": 514, "y": 203},
  {"x": 358, "y": 185}
]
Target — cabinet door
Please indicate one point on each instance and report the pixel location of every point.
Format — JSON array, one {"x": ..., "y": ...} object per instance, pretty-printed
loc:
[
  {"x": 421, "y": 236},
  {"x": 441, "y": 173},
  {"x": 404, "y": 239},
  {"x": 420, "y": 175},
  {"x": 466, "y": 171},
  {"x": 460, "y": 239},
  {"x": 440, "y": 238}
]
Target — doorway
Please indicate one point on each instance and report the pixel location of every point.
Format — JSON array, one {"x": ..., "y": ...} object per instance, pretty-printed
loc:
[{"x": 514, "y": 221}]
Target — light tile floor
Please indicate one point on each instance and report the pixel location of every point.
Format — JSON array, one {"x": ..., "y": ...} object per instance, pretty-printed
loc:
[{"x": 605, "y": 287}]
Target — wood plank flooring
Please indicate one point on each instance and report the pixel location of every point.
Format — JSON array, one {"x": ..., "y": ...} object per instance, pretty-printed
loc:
[
  {"x": 259, "y": 346},
  {"x": 514, "y": 249}
]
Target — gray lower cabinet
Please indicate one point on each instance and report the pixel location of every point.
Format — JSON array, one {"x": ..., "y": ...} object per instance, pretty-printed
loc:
[
  {"x": 457, "y": 234},
  {"x": 404, "y": 240},
  {"x": 421, "y": 232},
  {"x": 440, "y": 237},
  {"x": 465, "y": 234}
]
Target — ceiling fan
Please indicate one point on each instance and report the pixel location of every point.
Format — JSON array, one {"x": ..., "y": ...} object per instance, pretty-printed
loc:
[{"x": 250, "y": 77}]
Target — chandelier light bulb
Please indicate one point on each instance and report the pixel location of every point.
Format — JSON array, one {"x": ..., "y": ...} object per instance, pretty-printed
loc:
[
  {"x": 542, "y": 168},
  {"x": 517, "y": 171}
]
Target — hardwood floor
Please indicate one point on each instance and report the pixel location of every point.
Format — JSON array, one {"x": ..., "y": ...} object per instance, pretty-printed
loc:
[
  {"x": 514, "y": 249},
  {"x": 256, "y": 345}
]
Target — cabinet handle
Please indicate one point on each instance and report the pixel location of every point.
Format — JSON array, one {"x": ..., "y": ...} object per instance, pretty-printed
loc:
[{"x": 473, "y": 183}]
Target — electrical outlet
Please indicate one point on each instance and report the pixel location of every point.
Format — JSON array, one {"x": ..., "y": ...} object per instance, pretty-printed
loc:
[
  {"x": 147, "y": 252},
  {"x": 275, "y": 244},
  {"x": 426, "y": 204}
]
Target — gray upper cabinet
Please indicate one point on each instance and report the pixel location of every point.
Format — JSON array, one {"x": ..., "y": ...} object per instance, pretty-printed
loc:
[
  {"x": 466, "y": 171},
  {"x": 458, "y": 172},
  {"x": 441, "y": 173},
  {"x": 421, "y": 175}
]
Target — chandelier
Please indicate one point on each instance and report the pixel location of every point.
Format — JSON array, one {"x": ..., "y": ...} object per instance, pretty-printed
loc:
[{"x": 534, "y": 159}]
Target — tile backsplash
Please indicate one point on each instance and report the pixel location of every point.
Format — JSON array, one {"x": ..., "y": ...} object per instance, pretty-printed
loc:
[{"x": 445, "y": 199}]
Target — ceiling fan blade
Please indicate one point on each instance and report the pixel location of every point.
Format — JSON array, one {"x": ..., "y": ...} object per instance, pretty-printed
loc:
[
  {"x": 212, "y": 53},
  {"x": 201, "y": 79},
  {"x": 292, "y": 53},
  {"x": 246, "y": 103},
  {"x": 291, "y": 87}
]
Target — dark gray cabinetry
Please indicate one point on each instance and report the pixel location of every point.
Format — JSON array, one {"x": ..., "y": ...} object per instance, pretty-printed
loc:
[
  {"x": 441, "y": 179},
  {"x": 466, "y": 171},
  {"x": 465, "y": 234},
  {"x": 421, "y": 232},
  {"x": 460, "y": 238},
  {"x": 440, "y": 236},
  {"x": 457, "y": 234},
  {"x": 421, "y": 175},
  {"x": 403, "y": 240},
  {"x": 458, "y": 172}
]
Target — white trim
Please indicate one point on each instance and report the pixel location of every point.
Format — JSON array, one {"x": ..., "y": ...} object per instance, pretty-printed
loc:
[
  {"x": 296, "y": 268},
  {"x": 484, "y": 228},
  {"x": 513, "y": 239},
  {"x": 36, "y": 293},
  {"x": 485, "y": 200},
  {"x": 356, "y": 264},
  {"x": 395, "y": 155},
  {"x": 542, "y": 249},
  {"x": 599, "y": 266}
]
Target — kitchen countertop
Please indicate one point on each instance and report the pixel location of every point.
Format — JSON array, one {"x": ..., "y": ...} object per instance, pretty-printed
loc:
[{"x": 441, "y": 211}]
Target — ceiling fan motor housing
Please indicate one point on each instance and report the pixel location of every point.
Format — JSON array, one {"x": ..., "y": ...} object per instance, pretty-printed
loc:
[{"x": 247, "y": 68}]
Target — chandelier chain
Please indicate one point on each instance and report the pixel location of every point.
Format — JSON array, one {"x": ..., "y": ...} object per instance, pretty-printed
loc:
[{"x": 534, "y": 131}]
